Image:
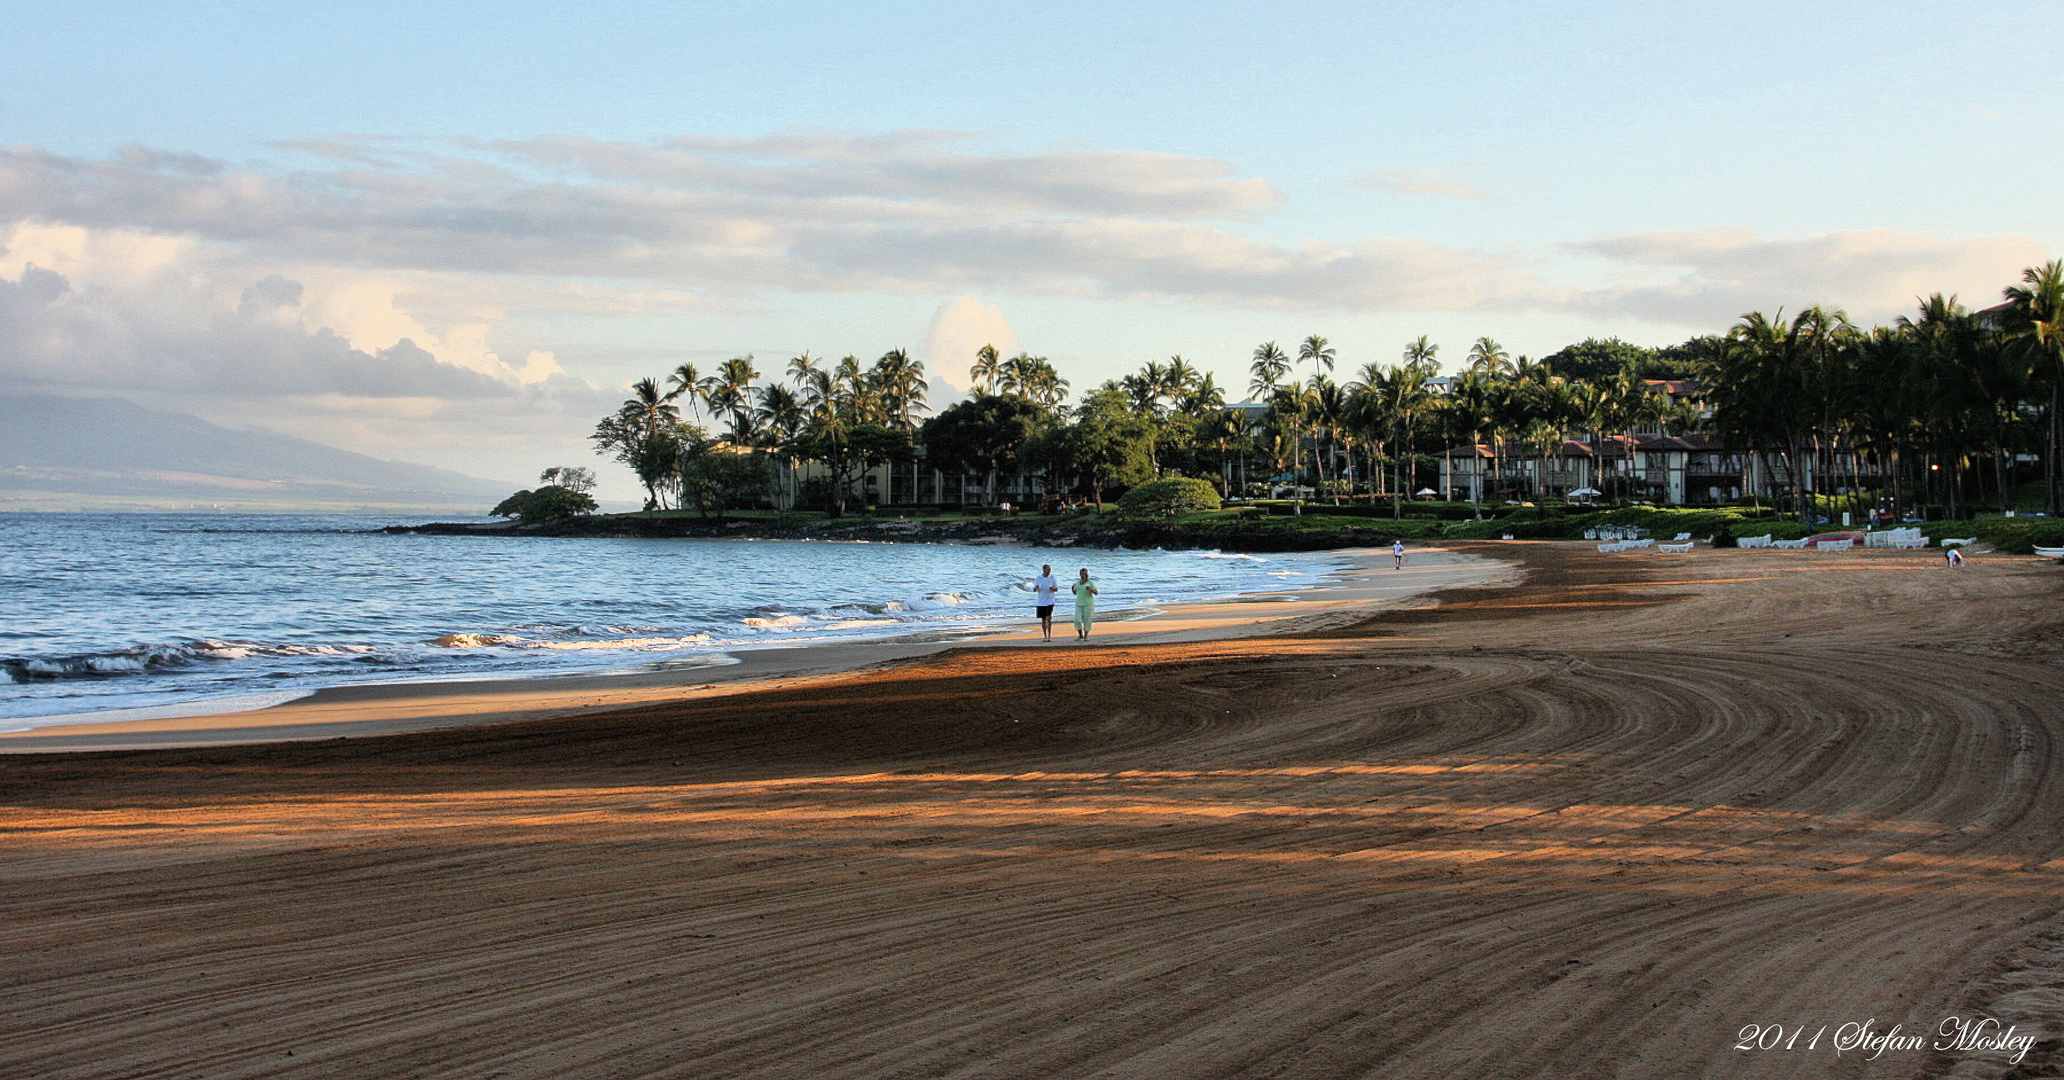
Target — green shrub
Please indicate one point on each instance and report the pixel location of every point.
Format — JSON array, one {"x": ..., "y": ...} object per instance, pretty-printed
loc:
[{"x": 1169, "y": 496}]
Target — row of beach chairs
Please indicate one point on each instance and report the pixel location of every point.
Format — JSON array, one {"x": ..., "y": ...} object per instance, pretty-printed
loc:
[
  {"x": 1889, "y": 538},
  {"x": 1631, "y": 545}
]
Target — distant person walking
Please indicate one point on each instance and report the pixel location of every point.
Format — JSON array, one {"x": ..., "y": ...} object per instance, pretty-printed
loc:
[
  {"x": 1397, "y": 554},
  {"x": 1044, "y": 588},
  {"x": 1085, "y": 605}
]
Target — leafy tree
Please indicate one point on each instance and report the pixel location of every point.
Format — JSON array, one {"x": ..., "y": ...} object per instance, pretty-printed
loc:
[
  {"x": 849, "y": 452},
  {"x": 982, "y": 435},
  {"x": 645, "y": 434},
  {"x": 545, "y": 506},
  {"x": 1108, "y": 445},
  {"x": 1592, "y": 359},
  {"x": 716, "y": 478},
  {"x": 570, "y": 477}
]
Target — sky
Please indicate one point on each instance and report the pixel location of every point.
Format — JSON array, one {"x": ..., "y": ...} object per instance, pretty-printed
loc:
[{"x": 455, "y": 233}]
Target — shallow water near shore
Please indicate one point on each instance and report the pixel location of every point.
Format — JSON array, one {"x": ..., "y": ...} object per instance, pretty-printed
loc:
[{"x": 171, "y": 613}]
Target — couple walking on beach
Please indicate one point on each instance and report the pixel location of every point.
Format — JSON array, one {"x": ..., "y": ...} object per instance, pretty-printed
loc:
[{"x": 1044, "y": 589}]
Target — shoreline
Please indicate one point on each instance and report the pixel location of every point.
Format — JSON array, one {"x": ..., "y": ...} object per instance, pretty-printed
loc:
[{"x": 1365, "y": 584}]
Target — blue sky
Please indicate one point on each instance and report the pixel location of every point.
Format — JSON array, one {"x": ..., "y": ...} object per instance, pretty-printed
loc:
[{"x": 248, "y": 207}]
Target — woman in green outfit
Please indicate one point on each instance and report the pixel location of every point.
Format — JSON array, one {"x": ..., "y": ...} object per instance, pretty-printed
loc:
[{"x": 1085, "y": 605}]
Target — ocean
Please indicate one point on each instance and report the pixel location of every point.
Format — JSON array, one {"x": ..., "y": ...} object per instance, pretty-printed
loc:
[{"x": 107, "y": 616}]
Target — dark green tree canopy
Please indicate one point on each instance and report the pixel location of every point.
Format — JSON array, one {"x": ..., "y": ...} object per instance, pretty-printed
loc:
[
  {"x": 982, "y": 433},
  {"x": 545, "y": 505}
]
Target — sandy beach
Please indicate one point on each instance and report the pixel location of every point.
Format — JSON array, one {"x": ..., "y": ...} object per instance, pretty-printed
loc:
[{"x": 1617, "y": 816}]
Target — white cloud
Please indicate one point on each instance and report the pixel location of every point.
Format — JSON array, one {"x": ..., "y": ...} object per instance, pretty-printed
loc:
[
  {"x": 143, "y": 299},
  {"x": 1715, "y": 275},
  {"x": 708, "y": 219},
  {"x": 960, "y": 328}
]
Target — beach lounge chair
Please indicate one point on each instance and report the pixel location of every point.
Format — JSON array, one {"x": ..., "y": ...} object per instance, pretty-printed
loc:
[
  {"x": 1612, "y": 548},
  {"x": 2050, "y": 552},
  {"x": 1789, "y": 545},
  {"x": 1836, "y": 545},
  {"x": 1680, "y": 538},
  {"x": 1762, "y": 541},
  {"x": 1640, "y": 543},
  {"x": 1950, "y": 541},
  {"x": 1673, "y": 549}
]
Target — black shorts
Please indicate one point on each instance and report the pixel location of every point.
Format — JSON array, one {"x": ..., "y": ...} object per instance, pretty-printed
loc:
[{"x": 1044, "y": 611}]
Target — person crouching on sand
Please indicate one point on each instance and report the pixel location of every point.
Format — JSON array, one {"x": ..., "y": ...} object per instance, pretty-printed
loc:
[
  {"x": 1085, "y": 605},
  {"x": 1043, "y": 589}
]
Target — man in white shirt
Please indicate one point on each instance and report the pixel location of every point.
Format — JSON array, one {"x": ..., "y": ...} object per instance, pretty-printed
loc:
[{"x": 1043, "y": 589}]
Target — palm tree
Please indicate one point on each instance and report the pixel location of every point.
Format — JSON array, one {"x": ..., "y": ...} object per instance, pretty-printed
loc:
[
  {"x": 1489, "y": 358},
  {"x": 1420, "y": 354},
  {"x": 858, "y": 394},
  {"x": 1034, "y": 378},
  {"x": 2035, "y": 319},
  {"x": 653, "y": 423},
  {"x": 987, "y": 368},
  {"x": 1144, "y": 389},
  {"x": 1178, "y": 379},
  {"x": 1316, "y": 350},
  {"x": 1471, "y": 407},
  {"x": 1327, "y": 405},
  {"x": 1013, "y": 374},
  {"x": 1769, "y": 386},
  {"x": 729, "y": 393},
  {"x": 800, "y": 367},
  {"x": 687, "y": 383},
  {"x": 1321, "y": 355},
  {"x": 1405, "y": 395},
  {"x": 1202, "y": 397},
  {"x": 1268, "y": 369},
  {"x": 781, "y": 416},
  {"x": 1223, "y": 427},
  {"x": 654, "y": 407},
  {"x": 901, "y": 382}
]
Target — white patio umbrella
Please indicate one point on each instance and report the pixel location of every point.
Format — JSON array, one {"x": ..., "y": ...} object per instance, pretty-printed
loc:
[{"x": 1422, "y": 492}]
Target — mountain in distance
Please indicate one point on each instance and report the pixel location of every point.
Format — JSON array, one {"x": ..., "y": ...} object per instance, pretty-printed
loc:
[{"x": 60, "y": 453}]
